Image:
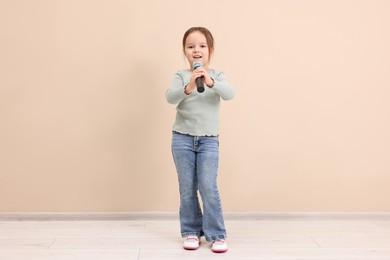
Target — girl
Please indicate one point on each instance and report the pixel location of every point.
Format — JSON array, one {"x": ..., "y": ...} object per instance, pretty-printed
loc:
[{"x": 195, "y": 144}]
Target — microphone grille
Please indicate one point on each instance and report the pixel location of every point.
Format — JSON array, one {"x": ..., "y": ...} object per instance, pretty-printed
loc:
[{"x": 196, "y": 64}]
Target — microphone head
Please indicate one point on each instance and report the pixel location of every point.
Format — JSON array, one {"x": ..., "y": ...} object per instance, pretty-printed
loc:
[{"x": 196, "y": 64}]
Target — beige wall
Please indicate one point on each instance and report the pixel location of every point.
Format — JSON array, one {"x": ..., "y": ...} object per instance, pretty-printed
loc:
[{"x": 85, "y": 125}]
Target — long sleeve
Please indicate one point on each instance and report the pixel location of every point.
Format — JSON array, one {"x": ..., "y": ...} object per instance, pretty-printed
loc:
[
  {"x": 175, "y": 93},
  {"x": 222, "y": 87}
]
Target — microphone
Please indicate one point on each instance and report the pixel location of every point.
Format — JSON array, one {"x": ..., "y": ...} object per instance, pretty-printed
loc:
[{"x": 199, "y": 81}]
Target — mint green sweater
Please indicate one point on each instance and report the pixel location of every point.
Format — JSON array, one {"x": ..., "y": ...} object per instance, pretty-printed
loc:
[{"x": 198, "y": 113}]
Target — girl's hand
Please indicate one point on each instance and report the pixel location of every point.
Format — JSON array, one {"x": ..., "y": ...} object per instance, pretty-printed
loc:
[
  {"x": 199, "y": 72},
  {"x": 192, "y": 84},
  {"x": 207, "y": 79}
]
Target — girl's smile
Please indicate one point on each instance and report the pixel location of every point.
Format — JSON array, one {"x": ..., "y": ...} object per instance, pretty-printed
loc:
[{"x": 196, "y": 48}]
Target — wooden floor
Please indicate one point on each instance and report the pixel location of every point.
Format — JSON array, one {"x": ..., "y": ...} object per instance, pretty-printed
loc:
[{"x": 269, "y": 238}]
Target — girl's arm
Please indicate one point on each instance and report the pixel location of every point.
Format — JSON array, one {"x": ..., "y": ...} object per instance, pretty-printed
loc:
[
  {"x": 222, "y": 87},
  {"x": 176, "y": 93}
]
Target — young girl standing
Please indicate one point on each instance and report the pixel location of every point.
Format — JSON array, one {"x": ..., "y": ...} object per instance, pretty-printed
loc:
[{"x": 195, "y": 144}]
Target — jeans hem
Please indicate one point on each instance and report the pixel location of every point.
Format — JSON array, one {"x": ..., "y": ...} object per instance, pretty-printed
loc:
[
  {"x": 186, "y": 234},
  {"x": 213, "y": 238}
]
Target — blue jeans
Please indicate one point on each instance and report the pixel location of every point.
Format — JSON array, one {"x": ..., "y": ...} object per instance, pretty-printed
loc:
[{"x": 196, "y": 159}]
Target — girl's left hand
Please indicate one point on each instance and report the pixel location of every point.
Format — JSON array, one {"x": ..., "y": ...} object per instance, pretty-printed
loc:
[{"x": 207, "y": 79}]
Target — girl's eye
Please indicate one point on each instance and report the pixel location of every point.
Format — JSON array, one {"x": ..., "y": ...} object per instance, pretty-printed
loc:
[
  {"x": 190, "y": 47},
  {"x": 203, "y": 46}
]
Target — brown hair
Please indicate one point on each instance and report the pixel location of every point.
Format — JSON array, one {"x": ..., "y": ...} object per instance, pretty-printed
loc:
[{"x": 205, "y": 32}]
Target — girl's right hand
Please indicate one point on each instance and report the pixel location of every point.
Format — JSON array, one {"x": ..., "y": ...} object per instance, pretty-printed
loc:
[{"x": 192, "y": 84}]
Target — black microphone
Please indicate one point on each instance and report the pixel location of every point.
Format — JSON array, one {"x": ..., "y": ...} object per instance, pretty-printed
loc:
[{"x": 199, "y": 80}]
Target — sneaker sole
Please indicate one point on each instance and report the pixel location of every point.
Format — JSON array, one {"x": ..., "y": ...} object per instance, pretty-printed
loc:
[
  {"x": 190, "y": 248},
  {"x": 219, "y": 251}
]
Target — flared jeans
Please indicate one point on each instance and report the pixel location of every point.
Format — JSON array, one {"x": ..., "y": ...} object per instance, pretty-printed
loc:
[{"x": 196, "y": 159}]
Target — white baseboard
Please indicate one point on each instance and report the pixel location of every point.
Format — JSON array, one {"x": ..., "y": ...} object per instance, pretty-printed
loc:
[
  {"x": 161, "y": 215},
  {"x": 69, "y": 216}
]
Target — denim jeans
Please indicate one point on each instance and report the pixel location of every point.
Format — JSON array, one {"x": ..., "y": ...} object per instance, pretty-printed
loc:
[{"x": 196, "y": 159}]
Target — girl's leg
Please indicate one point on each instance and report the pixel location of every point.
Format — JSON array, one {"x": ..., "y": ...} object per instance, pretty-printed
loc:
[
  {"x": 207, "y": 167},
  {"x": 185, "y": 161}
]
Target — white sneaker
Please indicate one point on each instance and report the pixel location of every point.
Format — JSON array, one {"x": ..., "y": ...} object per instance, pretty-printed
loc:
[
  {"x": 219, "y": 246},
  {"x": 191, "y": 243}
]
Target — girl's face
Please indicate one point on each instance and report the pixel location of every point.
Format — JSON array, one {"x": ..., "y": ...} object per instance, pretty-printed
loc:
[{"x": 196, "y": 48}]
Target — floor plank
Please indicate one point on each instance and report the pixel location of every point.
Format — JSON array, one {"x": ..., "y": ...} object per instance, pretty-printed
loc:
[{"x": 282, "y": 238}]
